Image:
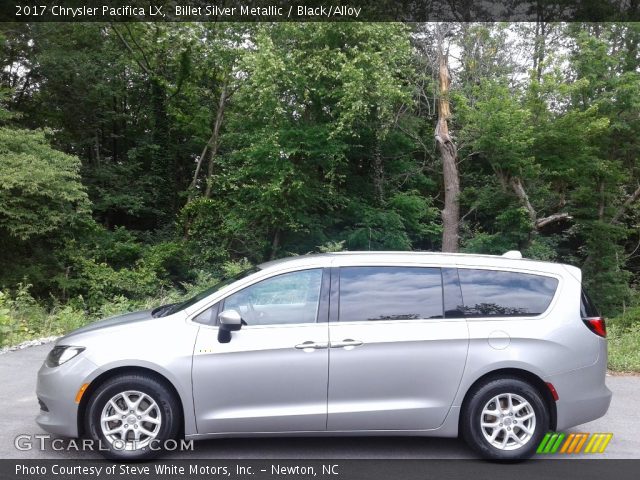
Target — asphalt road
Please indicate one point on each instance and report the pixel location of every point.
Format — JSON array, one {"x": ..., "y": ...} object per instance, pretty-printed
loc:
[{"x": 19, "y": 408}]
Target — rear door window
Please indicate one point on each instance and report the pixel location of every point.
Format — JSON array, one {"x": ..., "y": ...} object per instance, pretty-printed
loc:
[
  {"x": 492, "y": 293},
  {"x": 390, "y": 293}
]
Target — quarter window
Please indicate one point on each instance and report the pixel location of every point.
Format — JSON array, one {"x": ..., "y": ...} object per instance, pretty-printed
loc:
[
  {"x": 208, "y": 317},
  {"x": 390, "y": 293},
  {"x": 587, "y": 307},
  {"x": 489, "y": 293},
  {"x": 283, "y": 299}
]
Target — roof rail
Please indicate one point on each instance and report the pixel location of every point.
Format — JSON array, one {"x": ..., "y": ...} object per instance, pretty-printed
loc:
[{"x": 513, "y": 254}]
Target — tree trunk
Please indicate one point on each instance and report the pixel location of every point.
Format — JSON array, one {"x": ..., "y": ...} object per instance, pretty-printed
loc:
[
  {"x": 213, "y": 144},
  {"x": 378, "y": 171},
  {"x": 215, "y": 140},
  {"x": 275, "y": 244},
  {"x": 601, "y": 202},
  {"x": 520, "y": 192},
  {"x": 449, "y": 154},
  {"x": 539, "y": 45}
]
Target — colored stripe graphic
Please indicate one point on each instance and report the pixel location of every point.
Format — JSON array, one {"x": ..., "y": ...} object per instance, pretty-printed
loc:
[
  {"x": 609, "y": 436},
  {"x": 556, "y": 445},
  {"x": 567, "y": 443},
  {"x": 574, "y": 442},
  {"x": 598, "y": 442},
  {"x": 551, "y": 442},
  {"x": 581, "y": 442},
  {"x": 543, "y": 443}
]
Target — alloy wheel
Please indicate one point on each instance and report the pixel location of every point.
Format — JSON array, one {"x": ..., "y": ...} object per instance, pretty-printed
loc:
[
  {"x": 130, "y": 420},
  {"x": 508, "y": 421}
]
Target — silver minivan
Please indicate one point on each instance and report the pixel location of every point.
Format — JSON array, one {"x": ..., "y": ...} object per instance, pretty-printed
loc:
[{"x": 498, "y": 350}]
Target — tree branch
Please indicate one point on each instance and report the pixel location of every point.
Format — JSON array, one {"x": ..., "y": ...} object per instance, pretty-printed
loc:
[
  {"x": 627, "y": 203},
  {"x": 520, "y": 192},
  {"x": 135, "y": 42},
  {"x": 556, "y": 217},
  {"x": 538, "y": 223},
  {"x": 133, "y": 54}
]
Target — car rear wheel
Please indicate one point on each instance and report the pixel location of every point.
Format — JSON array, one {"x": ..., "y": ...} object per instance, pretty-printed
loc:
[
  {"x": 131, "y": 417},
  {"x": 505, "y": 419}
]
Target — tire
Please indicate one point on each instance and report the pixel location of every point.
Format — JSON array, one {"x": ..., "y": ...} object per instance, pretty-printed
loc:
[
  {"x": 152, "y": 416},
  {"x": 517, "y": 433}
]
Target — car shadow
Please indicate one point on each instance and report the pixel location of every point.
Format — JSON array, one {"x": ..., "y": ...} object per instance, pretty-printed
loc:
[{"x": 327, "y": 447}]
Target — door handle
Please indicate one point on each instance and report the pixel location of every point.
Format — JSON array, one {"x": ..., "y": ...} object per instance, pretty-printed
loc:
[
  {"x": 310, "y": 345},
  {"x": 347, "y": 344}
]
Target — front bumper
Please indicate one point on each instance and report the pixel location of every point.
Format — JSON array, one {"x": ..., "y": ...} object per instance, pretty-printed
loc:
[{"x": 57, "y": 388}]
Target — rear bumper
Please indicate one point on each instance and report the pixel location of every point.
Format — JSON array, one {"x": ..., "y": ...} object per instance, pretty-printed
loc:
[{"x": 583, "y": 394}]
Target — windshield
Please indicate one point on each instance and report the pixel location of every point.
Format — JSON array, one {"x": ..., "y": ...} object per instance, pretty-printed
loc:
[{"x": 195, "y": 299}]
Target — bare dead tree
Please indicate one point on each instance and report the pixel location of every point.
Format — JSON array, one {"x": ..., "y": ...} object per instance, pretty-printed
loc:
[{"x": 447, "y": 147}]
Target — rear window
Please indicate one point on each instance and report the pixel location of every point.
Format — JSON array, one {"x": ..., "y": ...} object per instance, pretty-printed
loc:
[
  {"x": 491, "y": 293},
  {"x": 587, "y": 307}
]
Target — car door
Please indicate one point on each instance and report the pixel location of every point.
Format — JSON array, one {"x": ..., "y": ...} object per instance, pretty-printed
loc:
[
  {"x": 272, "y": 375},
  {"x": 395, "y": 360}
]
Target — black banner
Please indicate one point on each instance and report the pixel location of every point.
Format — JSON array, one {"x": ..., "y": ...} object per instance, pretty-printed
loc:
[
  {"x": 318, "y": 11},
  {"x": 582, "y": 469}
]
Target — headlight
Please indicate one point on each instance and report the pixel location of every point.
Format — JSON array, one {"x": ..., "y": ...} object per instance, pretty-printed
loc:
[{"x": 62, "y": 354}]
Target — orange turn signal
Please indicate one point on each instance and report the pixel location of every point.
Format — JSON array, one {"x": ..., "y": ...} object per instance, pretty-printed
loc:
[{"x": 81, "y": 392}]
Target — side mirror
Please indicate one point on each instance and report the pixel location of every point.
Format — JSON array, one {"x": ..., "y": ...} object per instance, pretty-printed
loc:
[{"x": 230, "y": 321}]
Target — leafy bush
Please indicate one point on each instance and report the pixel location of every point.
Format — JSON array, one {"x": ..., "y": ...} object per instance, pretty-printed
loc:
[
  {"x": 22, "y": 317},
  {"x": 7, "y": 323},
  {"x": 330, "y": 246},
  {"x": 40, "y": 188},
  {"x": 65, "y": 319}
]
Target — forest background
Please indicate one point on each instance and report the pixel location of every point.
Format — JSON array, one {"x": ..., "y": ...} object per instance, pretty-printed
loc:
[{"x": 140, "y": 162}]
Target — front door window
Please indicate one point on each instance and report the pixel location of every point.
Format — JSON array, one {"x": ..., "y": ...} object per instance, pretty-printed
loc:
[{"x": 284, "y": 299}]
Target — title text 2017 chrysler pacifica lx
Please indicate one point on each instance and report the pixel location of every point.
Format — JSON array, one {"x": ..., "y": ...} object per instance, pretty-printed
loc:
[{"x": 499, "y": 350}]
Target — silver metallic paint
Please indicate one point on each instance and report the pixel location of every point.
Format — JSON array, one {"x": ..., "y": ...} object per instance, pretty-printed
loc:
[{"x": 406, "y": 378}]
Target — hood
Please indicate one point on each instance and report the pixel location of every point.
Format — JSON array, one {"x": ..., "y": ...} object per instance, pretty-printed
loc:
[{"x": 117, "y": 321}]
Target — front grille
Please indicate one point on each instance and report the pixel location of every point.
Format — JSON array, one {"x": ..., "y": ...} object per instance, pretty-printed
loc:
[{"x": 43, "y": 407}]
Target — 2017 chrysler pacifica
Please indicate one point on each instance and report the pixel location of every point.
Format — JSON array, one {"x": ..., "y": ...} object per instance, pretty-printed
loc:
[{"x": 499, "y": 350}]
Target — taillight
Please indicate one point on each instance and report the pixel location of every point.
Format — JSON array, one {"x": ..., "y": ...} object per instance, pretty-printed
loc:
[{"x": 596, "y": 325}]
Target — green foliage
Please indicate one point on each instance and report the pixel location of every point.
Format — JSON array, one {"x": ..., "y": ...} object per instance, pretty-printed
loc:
[
  {"x": 319, "y": 137},
  {"x": 626, "y": 319},
  {"x": 330, "y": 247},
  {"x": 40, "y": 188},
  {"x": 6, "y": 322},
  {"x": 22, "y": 317},
  {"x": 233, "y": 268},
  {"x": 512, "y": 231},
  {"x": 624, "y": 348},
  {"x": 379, "y": 230}
]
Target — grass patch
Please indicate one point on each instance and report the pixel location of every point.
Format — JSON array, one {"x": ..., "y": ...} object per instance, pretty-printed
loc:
[{"x": 624, "y": 347}]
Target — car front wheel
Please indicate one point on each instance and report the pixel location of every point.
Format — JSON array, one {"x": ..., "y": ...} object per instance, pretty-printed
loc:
[
  {"x": 505, "y": 419},
  {"x": 131, "y": 417}
]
